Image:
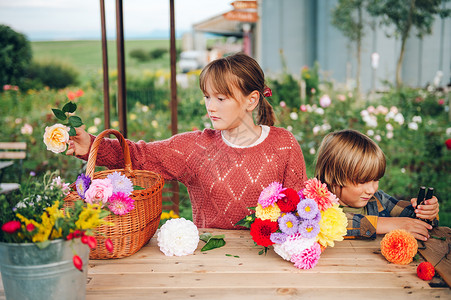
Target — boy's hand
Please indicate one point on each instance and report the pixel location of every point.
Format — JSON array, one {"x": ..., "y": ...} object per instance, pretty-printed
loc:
[
  {"x": 80, "y": 143},
  {"x": 419, "y": 229},
  {"x": 428, "y": 210}
]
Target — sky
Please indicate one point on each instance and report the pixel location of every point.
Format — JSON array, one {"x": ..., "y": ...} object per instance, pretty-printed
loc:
[{"x": 80, "y": 19}]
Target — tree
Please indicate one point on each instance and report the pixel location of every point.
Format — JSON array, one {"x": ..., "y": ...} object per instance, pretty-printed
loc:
[
  {"x": 403, "y": 15},
  {"x": 15, "y": 55},
  {"x": 347, "y": 17}
]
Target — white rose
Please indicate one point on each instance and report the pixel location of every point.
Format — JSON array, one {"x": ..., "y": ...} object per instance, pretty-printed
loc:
[{"x": 56, "y": 138}]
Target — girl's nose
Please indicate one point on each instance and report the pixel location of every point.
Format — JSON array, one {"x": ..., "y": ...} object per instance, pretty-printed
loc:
[{"x": 210, "y": 105}]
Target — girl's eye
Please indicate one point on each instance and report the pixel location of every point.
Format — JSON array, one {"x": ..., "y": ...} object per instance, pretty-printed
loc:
[{"x": 221, "y": 99}]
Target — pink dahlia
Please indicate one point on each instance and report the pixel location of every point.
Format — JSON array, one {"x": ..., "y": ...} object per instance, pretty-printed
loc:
[
  {"x": 316, "y": 190},
  {"x": 271, "y": 194},
  {"x": 308, "y": 258},
  {"x": 120, "y": 203}
]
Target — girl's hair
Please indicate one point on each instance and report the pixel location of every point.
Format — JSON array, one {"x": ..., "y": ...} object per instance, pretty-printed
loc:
[
  {"x": 242, "y": 72},
  {"x": 348, "y": 157}
]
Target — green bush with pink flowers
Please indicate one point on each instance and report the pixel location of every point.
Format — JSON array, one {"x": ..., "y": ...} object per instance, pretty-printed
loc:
[{"x": 411, "y": 126}]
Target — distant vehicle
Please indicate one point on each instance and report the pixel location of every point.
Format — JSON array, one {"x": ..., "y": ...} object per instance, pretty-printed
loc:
[{"x": 192, "y": 60}]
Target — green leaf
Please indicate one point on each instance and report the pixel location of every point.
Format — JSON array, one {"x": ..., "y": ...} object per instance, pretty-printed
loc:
[
  {"x": 72, "y": 131},
  {"x": 137, "y": 188},
  {"x": 75, "y": 121},
  {"x": 42, "y": 245},
  {"x": 246, "y": 221},
  {"x": 213, "y": 243},
  {"x": 205, "y": 237},
  {"x": 70, "y": 107},
  {"x": 59, "y": 114}
]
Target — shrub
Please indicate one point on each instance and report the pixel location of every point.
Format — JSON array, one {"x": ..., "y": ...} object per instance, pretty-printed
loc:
[
  {"x": 52, "y": 74},
  {"x": 140, "y": 55},
  {"x": 15, "y": 56},
  {"x": 157, "y": 53}
]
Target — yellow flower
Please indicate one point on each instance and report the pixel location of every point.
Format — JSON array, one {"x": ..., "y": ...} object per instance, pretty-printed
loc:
[
  {"x": 56, "y": 138},
  {"x": 90, "y": 218},
  {"x": 173, "y": 215},
  {"x": 272, "y": 212},
  {"x": 332, "y": 226}
]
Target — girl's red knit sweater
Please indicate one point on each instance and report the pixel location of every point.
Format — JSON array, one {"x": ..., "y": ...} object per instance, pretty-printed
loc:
[{"x": 222, "y": 181}]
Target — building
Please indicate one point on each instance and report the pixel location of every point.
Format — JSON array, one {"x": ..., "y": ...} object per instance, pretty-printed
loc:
[{"x": 300, "y": 33}]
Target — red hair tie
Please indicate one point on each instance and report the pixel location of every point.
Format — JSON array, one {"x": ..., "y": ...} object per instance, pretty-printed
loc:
[{"x": 267, "y": 92}]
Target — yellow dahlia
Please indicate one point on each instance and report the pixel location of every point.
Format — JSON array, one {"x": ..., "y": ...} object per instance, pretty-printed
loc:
[
  {"x": 332, "y": 226},
  {"x": 271, "y": 212}
]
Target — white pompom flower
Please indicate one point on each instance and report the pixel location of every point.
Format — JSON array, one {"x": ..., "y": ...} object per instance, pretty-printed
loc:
[{"x": 178, "y": 237}]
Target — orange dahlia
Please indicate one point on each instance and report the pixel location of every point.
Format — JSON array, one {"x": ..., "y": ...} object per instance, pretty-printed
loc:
[{"x": 399, "y": 247}]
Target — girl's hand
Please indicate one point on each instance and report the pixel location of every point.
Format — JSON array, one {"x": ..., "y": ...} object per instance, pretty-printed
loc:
[
  {"x": 419, "y": 229},
  {"x": 428, "y": 210},
  {"x": 80, "y": 143}
]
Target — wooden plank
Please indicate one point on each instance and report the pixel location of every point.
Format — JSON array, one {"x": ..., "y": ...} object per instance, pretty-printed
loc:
[
  {"x": 234, "y": 265},
  {"x": 268, "y": 293},
  {"x": 297, "y": 279},
  {"x": 438, "y": 252},
  {"x": 13, "y": 145}
]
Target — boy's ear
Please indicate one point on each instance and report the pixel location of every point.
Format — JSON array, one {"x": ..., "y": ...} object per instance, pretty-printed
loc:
[{"x": 252, "y": 100}]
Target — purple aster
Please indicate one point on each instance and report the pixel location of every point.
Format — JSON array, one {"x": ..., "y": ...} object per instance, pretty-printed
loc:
[
  {"x": 82, "y": 184},
  {"x": 307, "y": 208},
  {"x": 120, "y": 183},
  {"x": 309, "y": 229},
  {"x": 317, "y": 218},
  {"x": 278, "y": 237},
  {"x": 288, "y": 224},
  {"x": 120, "y": 204}
]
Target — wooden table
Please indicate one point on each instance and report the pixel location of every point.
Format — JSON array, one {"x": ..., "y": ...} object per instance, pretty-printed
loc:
[{"x": 350, "y": 270}]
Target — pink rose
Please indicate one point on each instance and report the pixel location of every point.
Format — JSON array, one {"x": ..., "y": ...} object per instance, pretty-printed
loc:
[{"x": 100, "y": 190}]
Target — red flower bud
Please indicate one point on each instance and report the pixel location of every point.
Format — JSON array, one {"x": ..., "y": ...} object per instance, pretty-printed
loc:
[
  {"x": 448, "y": 144},
  {"x": 92, "y": 242},
  {"x": 109, "y": 245},
  {"x": 30, "y": 227},
  {"x": 70, "y": 236},
  {"x": 84, "y": 239},
  {"x": 78, "y": 263},
  {"x": 11, "y": 226},
  {"x": 77, "y": 233}
]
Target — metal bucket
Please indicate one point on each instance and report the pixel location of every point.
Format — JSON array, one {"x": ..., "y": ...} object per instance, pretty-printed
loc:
[{"x": 30, "y": 273}]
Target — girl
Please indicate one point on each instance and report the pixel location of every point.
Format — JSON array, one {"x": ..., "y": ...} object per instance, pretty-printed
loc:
[
  {"x": 351, "y": 165},
  {"x": 225, "y": 168}
]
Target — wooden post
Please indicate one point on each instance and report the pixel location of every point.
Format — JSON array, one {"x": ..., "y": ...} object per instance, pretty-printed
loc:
[
  {"x": 121, "y": 95},
  {"x": 106, "y": 85},
  {"x": 174, "y": 122}
]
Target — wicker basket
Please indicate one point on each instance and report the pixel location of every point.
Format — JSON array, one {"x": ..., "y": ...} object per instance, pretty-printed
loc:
[{"x": 133, "y": 230}]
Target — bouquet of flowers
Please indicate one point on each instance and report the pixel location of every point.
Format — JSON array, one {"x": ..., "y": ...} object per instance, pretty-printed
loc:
[
  {"x": 35, "y": 214},
  {"x": 112, "y": 192},
  {"x": 298, "y": 224}
]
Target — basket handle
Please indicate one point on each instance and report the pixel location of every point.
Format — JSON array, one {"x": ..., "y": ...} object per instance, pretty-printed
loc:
[{"x": 95, "y": 147}]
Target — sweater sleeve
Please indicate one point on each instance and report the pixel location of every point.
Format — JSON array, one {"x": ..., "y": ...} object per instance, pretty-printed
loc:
[
  {"x": 295, "y": 172},
  {"x": 166, "y": 157}
]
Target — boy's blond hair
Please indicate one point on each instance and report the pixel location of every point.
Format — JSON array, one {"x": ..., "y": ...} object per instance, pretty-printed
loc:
[{"x": 348, "y": 157}]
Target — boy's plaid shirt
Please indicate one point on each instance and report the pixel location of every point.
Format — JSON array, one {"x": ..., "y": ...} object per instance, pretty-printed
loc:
[{"x": 380, "y": 205}]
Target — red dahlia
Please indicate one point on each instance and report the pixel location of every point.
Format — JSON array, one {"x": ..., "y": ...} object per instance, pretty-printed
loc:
[
  {"x": 289, "y": 202},
  {"x": 261, "y": 231}
]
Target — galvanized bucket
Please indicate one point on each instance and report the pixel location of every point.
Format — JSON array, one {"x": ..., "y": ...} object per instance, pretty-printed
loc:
[{"x": 30, "y": 273}]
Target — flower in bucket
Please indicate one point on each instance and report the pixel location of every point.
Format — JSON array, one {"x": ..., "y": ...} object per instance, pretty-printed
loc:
[
  {"x": 298, "y": 224},
  {"x": 112, "y": 192},
  {"x": 35, "y": 214}
]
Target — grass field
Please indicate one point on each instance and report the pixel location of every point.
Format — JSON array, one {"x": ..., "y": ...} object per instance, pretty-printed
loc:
[{"x": 86, "y": 56}]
